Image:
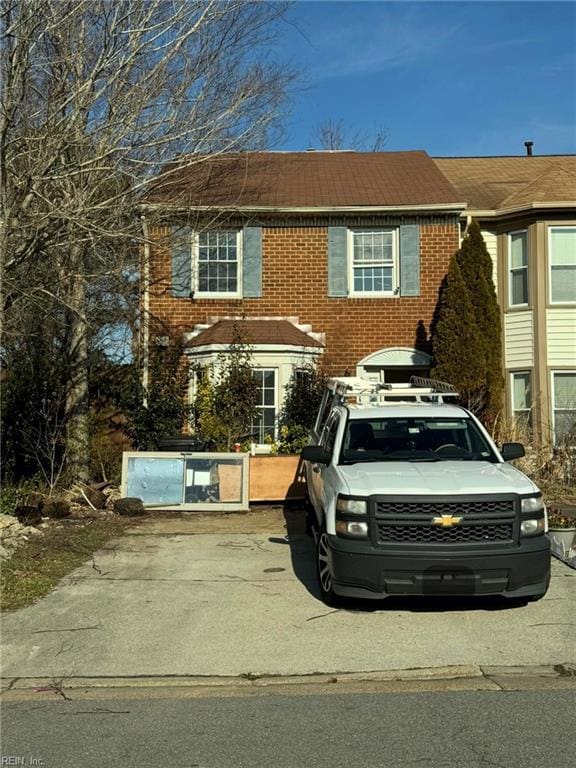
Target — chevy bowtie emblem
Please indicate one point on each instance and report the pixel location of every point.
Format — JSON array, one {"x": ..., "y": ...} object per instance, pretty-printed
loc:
[{"x": 446, "y": 521}]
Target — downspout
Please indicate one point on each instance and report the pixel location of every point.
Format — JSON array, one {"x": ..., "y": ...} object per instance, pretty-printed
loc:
[{"x": 145, "y": 311}]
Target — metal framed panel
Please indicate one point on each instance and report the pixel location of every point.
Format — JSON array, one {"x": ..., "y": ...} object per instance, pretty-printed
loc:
[{"x": 205, "y": 482}]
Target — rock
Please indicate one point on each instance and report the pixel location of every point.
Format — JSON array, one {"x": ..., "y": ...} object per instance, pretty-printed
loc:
[
  {"x": 56, "y": 508},
  {"x": 129, "y": 507},
  {"x": 13, "y": 533},
  {"x": 6, "y": 522},
  {"x": 28, "y": 515}
]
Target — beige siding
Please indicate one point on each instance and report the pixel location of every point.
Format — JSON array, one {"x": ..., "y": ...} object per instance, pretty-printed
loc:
[
  {"x": 491, "y": 241},
  {"x": 561, "y": 337},
  {"x": 519, "y": 340}
]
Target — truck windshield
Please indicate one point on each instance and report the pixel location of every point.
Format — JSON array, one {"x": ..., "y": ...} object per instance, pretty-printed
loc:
[{"x": 414, "y": 439}]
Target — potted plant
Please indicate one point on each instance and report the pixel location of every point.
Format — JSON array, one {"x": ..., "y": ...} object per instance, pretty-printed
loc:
[{"x": 561, "y": 529}]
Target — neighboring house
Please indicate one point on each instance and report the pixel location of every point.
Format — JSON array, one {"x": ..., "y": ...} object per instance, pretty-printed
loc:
[
  {"x": 526, "y": 207},
  {"x": 338, "y": 254}
]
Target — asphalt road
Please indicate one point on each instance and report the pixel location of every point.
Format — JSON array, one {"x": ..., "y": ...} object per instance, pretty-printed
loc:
[{"x": 464, "y": 729}]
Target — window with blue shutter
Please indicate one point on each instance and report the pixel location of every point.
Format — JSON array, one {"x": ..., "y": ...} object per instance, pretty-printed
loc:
[{"x": 207, "y": 263}]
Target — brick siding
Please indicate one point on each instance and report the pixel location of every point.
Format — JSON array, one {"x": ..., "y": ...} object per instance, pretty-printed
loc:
[{"x": 294, "y": 283}]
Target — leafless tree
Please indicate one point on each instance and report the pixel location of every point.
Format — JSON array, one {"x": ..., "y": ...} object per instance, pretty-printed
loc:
[
  {"x": 335, "y": 135},
  {"x": 97, "y": 98}
]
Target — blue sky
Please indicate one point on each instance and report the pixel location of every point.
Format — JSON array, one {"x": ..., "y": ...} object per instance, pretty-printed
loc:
[{"x": 453, "y": 78}]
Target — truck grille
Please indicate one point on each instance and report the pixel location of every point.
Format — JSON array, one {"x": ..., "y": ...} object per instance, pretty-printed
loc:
[
  {"x": 415, "y": 534},
  {"x": 410, "y": 520},
  {"x": 434, "y": 508}
]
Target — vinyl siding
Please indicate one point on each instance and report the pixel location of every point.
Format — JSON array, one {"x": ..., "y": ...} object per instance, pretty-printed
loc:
[
  {"x": 519, "y": 339},
  {"x": 491, "y": 241},
  {"x": 561, "y": 337}
]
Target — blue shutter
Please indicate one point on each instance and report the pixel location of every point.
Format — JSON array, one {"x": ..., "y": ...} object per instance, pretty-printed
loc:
[
  {"x": 252, "y": 263},
  {"x": 181, "y": 247},
  {"x": 337, "y": 261},
  {"x": 410, "y": 260}
]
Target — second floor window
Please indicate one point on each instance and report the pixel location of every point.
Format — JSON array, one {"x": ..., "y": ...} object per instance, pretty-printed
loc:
[
  {"x": 562, "y": 265},
  {"x": 518, "y": 264},
  {"x": 373, "y": 257},
  {"x": 216, "y": 261}
]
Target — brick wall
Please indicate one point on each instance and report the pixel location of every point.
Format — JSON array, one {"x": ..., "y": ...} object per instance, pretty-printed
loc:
[{"x": 295, "y": 284}]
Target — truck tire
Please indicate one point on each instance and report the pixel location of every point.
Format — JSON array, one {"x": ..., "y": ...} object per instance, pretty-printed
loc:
[{"x": 323, "y": 570}]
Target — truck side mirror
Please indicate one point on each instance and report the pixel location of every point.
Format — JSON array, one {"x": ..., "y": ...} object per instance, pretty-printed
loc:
[
  {"x": 316, "y": 454},
  {"x": 511, "y": 451}
]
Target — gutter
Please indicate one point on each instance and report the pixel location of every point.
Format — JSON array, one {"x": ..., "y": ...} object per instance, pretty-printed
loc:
[
  {"x": 496, "y": 212},
  {"x": 145, "y": 312},
  {"x": 435, "y": 207},
  {"x": 206, "y": 349}
]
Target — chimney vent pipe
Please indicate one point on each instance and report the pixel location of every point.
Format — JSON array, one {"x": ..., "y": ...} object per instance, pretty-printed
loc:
[{"x": 529, "y": 145}]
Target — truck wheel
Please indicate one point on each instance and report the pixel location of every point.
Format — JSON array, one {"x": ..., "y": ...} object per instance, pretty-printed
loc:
[{"x": 323, "y": 570}]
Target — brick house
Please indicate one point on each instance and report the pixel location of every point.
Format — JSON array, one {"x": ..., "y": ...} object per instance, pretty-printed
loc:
[
  {"x": 332, "y": 255},
  {"x": 526, "y": 207}
]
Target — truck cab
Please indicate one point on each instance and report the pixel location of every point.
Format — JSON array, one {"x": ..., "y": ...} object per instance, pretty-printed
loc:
[{"x": 408, "y": 495}]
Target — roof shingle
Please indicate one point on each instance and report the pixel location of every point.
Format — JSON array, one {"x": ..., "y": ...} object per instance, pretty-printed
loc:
[
  {"x": 492, "y": 183},
  {"x": 308, "y": 180},
  {"x": 254, "y": 332}
]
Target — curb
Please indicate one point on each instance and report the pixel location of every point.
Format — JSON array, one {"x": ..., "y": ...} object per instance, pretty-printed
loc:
[{"x": 467, "y": 677}]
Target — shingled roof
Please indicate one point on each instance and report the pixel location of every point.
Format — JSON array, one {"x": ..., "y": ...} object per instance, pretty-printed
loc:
[
  {"x": 308, "y": 180},
  {"x": 500, "y": 183},
  {"x": 260, "y": 331}
]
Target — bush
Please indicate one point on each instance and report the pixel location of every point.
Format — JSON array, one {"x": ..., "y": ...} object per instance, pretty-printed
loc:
[
  {"x": 303, "y": 397},
  {"x": 225, "y": 403},
  {"x": 466, "y": 330},
  {"x": 161, "y": 410}
]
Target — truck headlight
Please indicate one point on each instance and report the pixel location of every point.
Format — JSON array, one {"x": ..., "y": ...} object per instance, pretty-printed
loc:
[
  {"x": 351, "y": 506},
  {"x": 532, "y": 504},
  {"x": 352, "y": 528},
  {"x": 532, "y": 527}
]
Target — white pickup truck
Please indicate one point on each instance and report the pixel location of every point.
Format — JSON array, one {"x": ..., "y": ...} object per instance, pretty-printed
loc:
[{"x": 408, "y": 494}]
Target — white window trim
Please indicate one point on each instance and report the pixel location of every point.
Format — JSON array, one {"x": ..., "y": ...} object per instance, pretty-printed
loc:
[
  {"x": 550, "y": 230},
  {"x": 510, "y": 295},
  {"x": 194, "y": 256},
  {"x": 275, "y": 371},
  {"x": 553, "y": 398},
  {"x": 523, "y": 372},
  {"x": 395, "y": 292}
]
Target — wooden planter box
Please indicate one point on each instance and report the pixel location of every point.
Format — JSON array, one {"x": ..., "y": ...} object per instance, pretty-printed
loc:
[{"x": 276, "y": 478}]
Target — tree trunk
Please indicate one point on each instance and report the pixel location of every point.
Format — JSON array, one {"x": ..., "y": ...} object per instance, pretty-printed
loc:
[{"x": 77, "y": 402}]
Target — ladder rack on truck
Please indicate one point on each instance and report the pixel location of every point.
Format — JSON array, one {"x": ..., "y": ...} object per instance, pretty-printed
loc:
[{"x": 353, "y": 389}]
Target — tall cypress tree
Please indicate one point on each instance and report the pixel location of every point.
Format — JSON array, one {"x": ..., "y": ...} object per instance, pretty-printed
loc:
[
  {"x": 456, "y": 345},
  {"x": 476, "y": 268}
]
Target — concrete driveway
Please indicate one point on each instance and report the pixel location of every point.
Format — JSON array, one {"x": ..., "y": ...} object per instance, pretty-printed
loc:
[{"x": 237, "y": 596}]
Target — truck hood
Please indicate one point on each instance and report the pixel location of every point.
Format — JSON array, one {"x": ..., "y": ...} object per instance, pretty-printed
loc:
[{"x": 434, "y": 478}]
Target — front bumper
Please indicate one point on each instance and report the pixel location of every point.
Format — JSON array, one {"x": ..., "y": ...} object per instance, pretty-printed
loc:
[{"x": 363, "y": 571}]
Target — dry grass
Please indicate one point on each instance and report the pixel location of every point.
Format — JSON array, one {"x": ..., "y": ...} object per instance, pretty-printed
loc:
[
  {"x": 552, "y": 469},
  {"x": 39, "y": 564}
]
